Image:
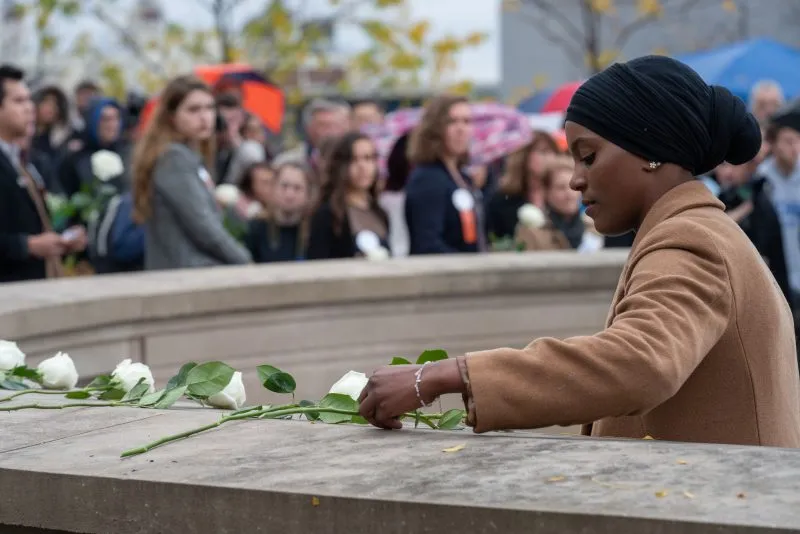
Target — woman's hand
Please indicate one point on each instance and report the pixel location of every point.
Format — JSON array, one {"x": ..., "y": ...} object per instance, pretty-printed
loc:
[{"x": 390, "y": 391}]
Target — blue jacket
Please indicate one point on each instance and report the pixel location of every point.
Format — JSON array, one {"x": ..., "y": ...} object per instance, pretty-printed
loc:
[{"x": 434, "y": 225}]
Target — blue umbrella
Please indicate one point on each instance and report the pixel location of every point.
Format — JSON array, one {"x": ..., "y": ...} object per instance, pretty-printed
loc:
[
  {"x": 535, "y": 102},
  {"x": 739, "y": 66}
]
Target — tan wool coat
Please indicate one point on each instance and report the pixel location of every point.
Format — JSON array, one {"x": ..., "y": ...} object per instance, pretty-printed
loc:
[{"x": 699, "y": 345}]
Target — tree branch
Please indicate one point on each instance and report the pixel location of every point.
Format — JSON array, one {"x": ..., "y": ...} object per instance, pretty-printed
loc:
[
  {"x": 548, "y": 9},
  {"x": 128, "y": 40},
  {"x": 570, "y": 48}
]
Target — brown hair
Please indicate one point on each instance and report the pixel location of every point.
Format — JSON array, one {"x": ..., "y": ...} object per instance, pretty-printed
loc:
[
  {"x": 267, "y": 215},
  {"x": 159, "y": 133},
  {"x": 515, "y": 180},
  {"x": 426, "y": 142},
  {"x": 338, "y": 181},
  {"x": 560, "y": 163}
]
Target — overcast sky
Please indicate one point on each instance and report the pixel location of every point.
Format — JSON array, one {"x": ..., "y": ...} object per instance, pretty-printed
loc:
[{"x": 446, "y": 16}]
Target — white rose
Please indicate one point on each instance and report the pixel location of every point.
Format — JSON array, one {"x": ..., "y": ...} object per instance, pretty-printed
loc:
[
  {"x": 351, "y": 384},
  {"x": 227, "y": 194},
  {"x": 128, "y": 374},
  {"x": 54, "y": 202},
  {"x": 254, "y": 210},
  {"x": 377, "y": 254},
  {"x": 10, "y": 356},
  {"x": 58, "y": 372},
  {"x": 232, "y": 397},
  {"x": 531, "y": 216},
  {"x": 106, "y": 165}
]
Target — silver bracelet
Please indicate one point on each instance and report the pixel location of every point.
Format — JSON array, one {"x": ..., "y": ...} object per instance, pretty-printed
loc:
[{"x": 417, "y": 382}]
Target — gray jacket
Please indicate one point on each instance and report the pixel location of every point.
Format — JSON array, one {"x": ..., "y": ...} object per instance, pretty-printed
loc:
[{"x": 185, "y": 227}]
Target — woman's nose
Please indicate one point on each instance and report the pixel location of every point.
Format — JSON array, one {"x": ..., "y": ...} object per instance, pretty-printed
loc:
[{"x": 578, "y": 181}]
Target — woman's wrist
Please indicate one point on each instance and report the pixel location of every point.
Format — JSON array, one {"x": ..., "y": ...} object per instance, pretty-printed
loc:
[{"x": 441, "y": 378}]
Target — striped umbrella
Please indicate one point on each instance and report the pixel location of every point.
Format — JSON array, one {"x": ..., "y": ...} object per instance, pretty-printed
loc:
[{"x": 550, "y": 100}]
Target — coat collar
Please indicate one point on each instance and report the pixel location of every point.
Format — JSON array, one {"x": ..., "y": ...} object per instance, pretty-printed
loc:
[{"x": 684, "y": 197}]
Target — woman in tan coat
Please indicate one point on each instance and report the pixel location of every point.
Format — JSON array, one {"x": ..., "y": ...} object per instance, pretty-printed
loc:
[
  {"x": 561, "y": 226},
  {"x": 699, "y": 342}
]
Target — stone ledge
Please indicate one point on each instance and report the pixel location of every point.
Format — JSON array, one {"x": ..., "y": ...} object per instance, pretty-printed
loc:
[{"x": 295, "y": 477}]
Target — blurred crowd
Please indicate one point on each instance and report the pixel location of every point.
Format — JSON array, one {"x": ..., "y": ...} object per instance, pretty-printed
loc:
[{"x": 90, "y": 188}]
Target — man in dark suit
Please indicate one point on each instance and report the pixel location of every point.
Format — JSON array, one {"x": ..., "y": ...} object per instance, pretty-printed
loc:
[{"x": 29, "y": 248}]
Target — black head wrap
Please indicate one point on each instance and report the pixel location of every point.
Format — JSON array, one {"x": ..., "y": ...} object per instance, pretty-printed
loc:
[{"x": 659, "y": 109}]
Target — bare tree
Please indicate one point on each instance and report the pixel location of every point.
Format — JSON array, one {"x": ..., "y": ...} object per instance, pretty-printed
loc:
[
  {"x": 583, "y": 40},
  {"x": 222, "y": 13}
]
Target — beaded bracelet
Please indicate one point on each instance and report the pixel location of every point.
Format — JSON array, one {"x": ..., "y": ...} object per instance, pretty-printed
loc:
[{"x": 417, "y": 382}]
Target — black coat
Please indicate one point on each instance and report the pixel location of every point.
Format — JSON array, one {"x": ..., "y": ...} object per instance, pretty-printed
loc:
[
  {"x": 501, "y": 214},
  {"x": 324, "y": 243},
  {"x": 18, "y": 220}
]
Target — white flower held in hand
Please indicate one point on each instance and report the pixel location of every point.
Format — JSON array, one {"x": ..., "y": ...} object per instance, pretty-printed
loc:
[
  {"x": 128, "y": 374},
  {"x": 377, "y": 254},
  {"x": 10, "y": 356},
  {"x": 58, "y": 372},
  {"x": 351, "y": 384},
  {"x": 232, "y": 397},
  {"x": 227, "y": 194},
  {"x": 254, "y": 209},
  {"x": 531, "y": 216},
  {"x": 106, "y": 165}
]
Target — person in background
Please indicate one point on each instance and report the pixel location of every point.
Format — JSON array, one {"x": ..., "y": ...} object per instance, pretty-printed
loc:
[
  {"x": 172, "y": 187},
  {"x": 251, "y": 149},
  {"x": 444, "y": 210},
  {"x": 321, "y": 119},
  {"x": 393, "y": 197},
  {"x": 521, "y": 184},
  {"x": 102, "y": 131},
  {"x": 281, "y": 232},
  {"x": 84, "y": 93},
  {"x": 349, "y": 222},
  {"x": 565, "y": 227},
  {"x": 29, "y": 247},
  {"x": 53, "y": 128},
  {"x": 766, "y": 98},
  {"x": 366, "y": 112},
  {"x": 699, "y": 342},
  {"x": 231, "y": 118},
  {"x": 746, "y": 199},
  {"x": 782, "y": 172},
  {"x": 257, "y": 186}
]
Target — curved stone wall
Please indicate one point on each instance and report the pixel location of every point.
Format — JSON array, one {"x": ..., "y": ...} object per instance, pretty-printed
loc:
[{"x": 316, "y": 320}]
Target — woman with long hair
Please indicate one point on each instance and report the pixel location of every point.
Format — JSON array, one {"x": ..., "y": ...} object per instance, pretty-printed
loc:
[
  {"x": 561, "y": 225},
  {"x": 521, "y": 184},
  {"x": 699, "y": 342},
  {"x": 349, "y": 222},
  {"x": 444, "y": 209},
  {"x": 281, "y": 232},
  {"x": 172, "y": 187}
]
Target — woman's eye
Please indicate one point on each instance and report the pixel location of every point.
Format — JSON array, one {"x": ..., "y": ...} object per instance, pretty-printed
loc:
[{"x": 588, "y": 160}]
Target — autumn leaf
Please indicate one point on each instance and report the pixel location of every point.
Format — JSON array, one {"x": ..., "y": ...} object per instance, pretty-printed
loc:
[
  {"x": 556, "y": 479},
  {"x": 314, "y": 501},
  {"x": 650, "y": 8},
  {"x": 648, "y": 437},
  {"x": 378, "y": 31},
  {"x": 688, "y": 494},
  {"x": 682, "y": 462},
  {"x": 601, "y": 6},
  {"x": 662, "y": 493},
  {"x": 418, "y": 32},
  {"x": 455, "y": 448},
  {"x": 729, "y": 6},
  {"x": 389, "y": 3},
  {"x": 475, "y": 39}
]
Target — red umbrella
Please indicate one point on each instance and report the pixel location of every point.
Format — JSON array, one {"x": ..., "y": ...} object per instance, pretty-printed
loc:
[{"x": 559, "y": 99}]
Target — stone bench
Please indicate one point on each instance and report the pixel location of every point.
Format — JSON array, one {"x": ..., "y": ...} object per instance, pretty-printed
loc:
[{"x": 61, "y": 472}]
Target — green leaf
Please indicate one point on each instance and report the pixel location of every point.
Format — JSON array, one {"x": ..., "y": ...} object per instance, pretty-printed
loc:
[
  {"x": 137, "y": 391},
  {"x": 170, "y": 398},
  {"x": 101, "y": 381},
  {"x": 180, "y": 379},
  {"x": 276, "y": 380},
  {"x": 358, "y": 420},
  {"x": 112, "y": 394},
  {"x": 11, "y": 384},
  {"x": 81, "y": 201},
  {"x": 339, "y": 402},
  {"x": 311, "y": 416},
  {"x": 78, "y": 395},
  {"x": 433, "y": 355},
  {"x": 208, "y": 379},
  {"x": 451, "y": 419},
  {"x": 397, "y": 360},
  {"x": 26, "y": 372},
  {"x": 152, "y": 398}
]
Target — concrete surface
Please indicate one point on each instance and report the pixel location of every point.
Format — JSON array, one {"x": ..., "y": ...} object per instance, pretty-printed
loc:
[{"x": 60, "y": 470}]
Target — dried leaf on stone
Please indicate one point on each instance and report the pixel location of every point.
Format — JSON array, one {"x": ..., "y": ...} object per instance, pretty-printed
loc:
[
  {"x": 314, "y": 501},
  {"x": 556, "y": 479},
  {"x": 682, "y": 462},
  {"x": 688, "y": 494},
  {"x": 455, "y": 448},
  {"x": 741, "y": 496},
  {"x": 648, "y": 437},
  {"x": 662, "y": 493}
]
